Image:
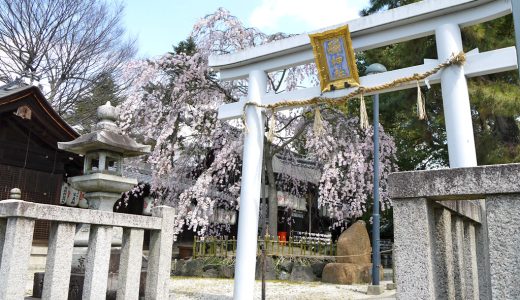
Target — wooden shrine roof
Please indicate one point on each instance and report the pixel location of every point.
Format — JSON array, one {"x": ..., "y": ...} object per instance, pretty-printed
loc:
[
  {"x": 42, "y": 111},
  {"x": 31, "y": 141}
]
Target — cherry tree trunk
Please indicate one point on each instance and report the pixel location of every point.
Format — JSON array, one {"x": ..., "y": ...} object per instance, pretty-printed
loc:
[{"x": 273, "y": 200}]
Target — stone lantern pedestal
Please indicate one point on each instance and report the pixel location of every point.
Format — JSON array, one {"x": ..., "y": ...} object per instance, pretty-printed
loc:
[
  {"x": 111, "y": 187},
  {"x": 102, "y": 190}
]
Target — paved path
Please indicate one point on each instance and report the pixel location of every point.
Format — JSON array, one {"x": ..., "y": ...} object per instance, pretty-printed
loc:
[{"x": 188, "y": 288}]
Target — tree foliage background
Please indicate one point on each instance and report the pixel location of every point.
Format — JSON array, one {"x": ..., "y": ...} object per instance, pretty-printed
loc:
[{"x": 494, "y": 99}]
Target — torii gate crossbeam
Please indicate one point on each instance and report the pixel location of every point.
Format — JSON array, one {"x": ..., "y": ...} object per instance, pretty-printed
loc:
[{"x": 443, "y": 18}]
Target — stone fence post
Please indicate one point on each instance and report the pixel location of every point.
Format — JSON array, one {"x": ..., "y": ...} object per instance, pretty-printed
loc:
[
  {"x": 15, "y": 250},
  {"x": 160, "y": 255}
]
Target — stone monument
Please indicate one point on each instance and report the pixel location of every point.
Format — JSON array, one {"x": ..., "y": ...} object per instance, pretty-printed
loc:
[{"x": 353, "y": 263}]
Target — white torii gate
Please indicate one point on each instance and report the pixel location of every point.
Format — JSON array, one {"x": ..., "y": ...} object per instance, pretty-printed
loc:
[{"x": 442, "y": 18}]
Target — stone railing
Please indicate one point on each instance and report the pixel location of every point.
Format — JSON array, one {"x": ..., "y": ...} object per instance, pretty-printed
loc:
[
  {"x": 17, "y": 220},
  {"x": 457, "y": 233}
]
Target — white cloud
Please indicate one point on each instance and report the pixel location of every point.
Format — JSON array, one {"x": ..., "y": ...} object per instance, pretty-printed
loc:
[{"x": 296, "y": 16}]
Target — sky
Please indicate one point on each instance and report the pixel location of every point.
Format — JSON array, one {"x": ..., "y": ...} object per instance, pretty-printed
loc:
[{"x": 159, "y": 24}]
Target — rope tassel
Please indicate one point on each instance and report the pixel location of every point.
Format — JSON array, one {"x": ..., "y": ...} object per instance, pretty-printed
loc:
[
  {"x": 318, "y": 122},
  {"x": 421, "y": 106},
  {"x": 363, "y": 117}
]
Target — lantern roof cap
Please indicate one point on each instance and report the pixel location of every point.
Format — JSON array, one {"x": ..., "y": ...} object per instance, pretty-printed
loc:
[{"x": 105, "y": 135}]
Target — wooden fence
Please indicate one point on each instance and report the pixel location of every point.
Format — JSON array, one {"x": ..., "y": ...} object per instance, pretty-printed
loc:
[{"x": 224, "y": 247}]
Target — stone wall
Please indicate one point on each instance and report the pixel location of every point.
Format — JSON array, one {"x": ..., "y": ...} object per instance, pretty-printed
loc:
[
  {"x": 281, "y": 268},
  {"x": 457, "y": 233}
]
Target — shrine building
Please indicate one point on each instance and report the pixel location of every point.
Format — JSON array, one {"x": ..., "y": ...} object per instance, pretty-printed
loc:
[{"x": 30, "y": 160}]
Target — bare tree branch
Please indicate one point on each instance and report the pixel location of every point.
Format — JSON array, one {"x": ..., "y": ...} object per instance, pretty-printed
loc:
[
  {"x": 297, "y": 133},
  {"x": 64, "y": 45}
]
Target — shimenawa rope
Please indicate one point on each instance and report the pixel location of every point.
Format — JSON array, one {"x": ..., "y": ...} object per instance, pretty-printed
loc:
[{"x": 458, "y": 59}]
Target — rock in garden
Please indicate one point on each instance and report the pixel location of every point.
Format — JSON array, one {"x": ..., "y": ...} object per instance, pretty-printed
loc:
[
  {"x": 226, "y": 271},
  {"x": 177, "y": 267},
  {"x": 317, "y": 268},
  {"x": 285, "y": 265},
  {"x": 210, "y": 273},
  {"x": 193, "y": 267},
  {"x": 284, "y": 275},
  {"x": 210, "y": 267},
  {"x": 270, "y": 268},
  {"x": 354, "y": 245},
  {"x": 302, "y": 273}
]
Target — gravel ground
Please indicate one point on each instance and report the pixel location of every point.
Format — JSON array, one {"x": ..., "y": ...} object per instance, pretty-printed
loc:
[{"x": 184, "y": 288}]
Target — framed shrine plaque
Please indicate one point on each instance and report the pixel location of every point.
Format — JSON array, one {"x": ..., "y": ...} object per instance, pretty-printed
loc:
[{"x": 335, "y": 59}]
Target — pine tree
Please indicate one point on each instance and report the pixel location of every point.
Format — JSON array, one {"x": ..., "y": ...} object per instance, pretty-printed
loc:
[
  {"x": 494, "y": 99},
  {"x": 103, "y": 90}
]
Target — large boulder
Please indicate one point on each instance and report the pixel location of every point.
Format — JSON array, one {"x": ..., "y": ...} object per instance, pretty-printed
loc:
[
  {"x": 283, "y": 275},
  {"x": 210, "y": 267},
  {"x": 354, "y": 245},
  {"x": 177, "y": 267},
  {"x": 345, "y": 273},
  {"x": 210, "y": 273}
]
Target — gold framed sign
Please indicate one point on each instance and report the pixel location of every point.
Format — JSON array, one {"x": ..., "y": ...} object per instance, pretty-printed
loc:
[{"x": 335, "y": 59}]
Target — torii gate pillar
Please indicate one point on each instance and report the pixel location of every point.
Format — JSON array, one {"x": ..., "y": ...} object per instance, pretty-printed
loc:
[
  {"x": 250, "y": 190},
  {"x": 459, "y": 129},
  {"x": 455, "y": 98}
]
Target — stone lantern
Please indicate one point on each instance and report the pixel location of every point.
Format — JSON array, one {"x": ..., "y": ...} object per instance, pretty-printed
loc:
[{"x": 104, "y": 149}]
